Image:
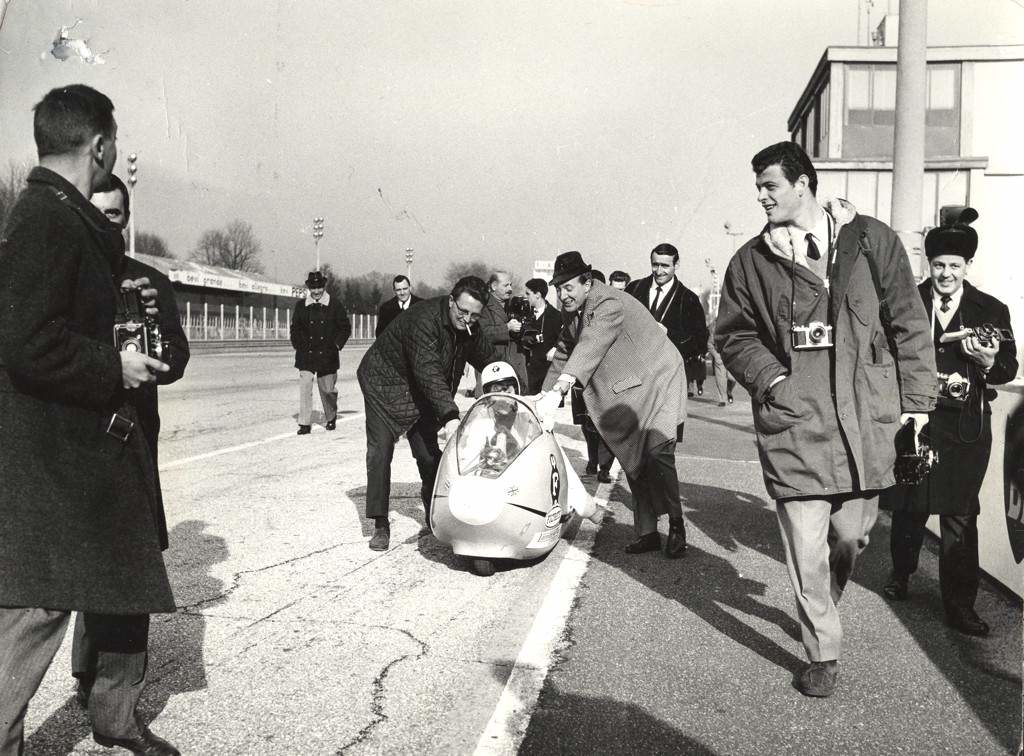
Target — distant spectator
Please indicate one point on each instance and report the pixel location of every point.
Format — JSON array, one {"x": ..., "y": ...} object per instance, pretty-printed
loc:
[
  {"x": 319, "y": 330},
  {"x": 500, "y": 329},
  {"x": 619, "y": 279},
  {"x": 402, "y": 301}
]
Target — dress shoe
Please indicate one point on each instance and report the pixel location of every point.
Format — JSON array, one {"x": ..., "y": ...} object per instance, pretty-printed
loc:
[
  {"x": 819, "y": 679},
  {"x": 330, "y": 425},
  {"x": 303, "y": 430},
  {"x": 689, "y": 395},
  {"x": 675, "y": 544},
  {"x": 700, "y": 391},
  {"x": 895, "y": 588},
  {"x": 721, "y": 404},
  {"x": 730, "y": 399},
  {"x": 648, "y": 542},
  {"x": 967, "y": 621},
  {"x": 381, "y": 538},
  {"x": 591, "y": 468},
  {"x": 146, "y": 743},
  {"x": 604, "y": 477}
]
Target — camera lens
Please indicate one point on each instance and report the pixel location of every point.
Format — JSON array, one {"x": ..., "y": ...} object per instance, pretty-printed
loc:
[
  {"x": 816, "y": 333},
  {"x": 956, "y": 390},
  {"x": 131, "y": 346}
]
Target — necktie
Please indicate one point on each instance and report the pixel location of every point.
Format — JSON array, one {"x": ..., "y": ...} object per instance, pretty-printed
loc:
[
  {"x": 945, "y": 299},
  {"x": 657, "y": 300},
  {"x": 812, "y": 249}
]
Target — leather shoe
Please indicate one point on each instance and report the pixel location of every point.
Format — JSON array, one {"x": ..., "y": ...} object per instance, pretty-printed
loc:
[
  {"x": 819, "y": 679},
  {"x": 721, "y": 404},
  {"x": 381, "y": 538},
  {"x": 82, "y": 690},
  {"x": 146, "y": 743},
  {"x": 303, "y": 430},
  {"x": 591, "y": 469},
  {"x": 895, "y": 589},
  {"x": 967, "y": 621},
  {"x": 330, "y": 425},
  {"x": 648, "y": 542},
  {"x": 604, "y": 477},
  {"x": 675, "y": 544}
]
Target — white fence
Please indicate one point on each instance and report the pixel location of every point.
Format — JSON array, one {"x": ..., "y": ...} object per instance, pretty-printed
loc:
[{"x": 254, "y": 323}]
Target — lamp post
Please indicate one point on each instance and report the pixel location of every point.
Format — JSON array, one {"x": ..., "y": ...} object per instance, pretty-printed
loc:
[
  {"x": 729, "y": 231},
  {"x": 132, "y": 180},
  {"x": 408, "y": 263},
  {"x": 318, "y": 234}
]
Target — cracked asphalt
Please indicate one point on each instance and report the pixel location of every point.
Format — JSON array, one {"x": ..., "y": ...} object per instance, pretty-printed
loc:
[{"x": 292, "y": 637}]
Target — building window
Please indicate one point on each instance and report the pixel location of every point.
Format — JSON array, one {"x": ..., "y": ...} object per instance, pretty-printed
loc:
[{"x": 870, "y": 111}]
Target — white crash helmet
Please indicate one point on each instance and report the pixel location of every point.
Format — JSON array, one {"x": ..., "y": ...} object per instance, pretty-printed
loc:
[{"x": 498, "y": 372}]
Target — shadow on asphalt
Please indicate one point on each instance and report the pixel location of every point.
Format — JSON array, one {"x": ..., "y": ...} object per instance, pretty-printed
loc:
[
  {"x": 567, "y": 723},
  {"x": 176, "y": 663}
]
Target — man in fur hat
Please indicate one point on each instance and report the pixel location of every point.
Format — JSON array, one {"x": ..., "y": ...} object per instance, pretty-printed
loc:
[
  {"x": 319, "y": 330},
  {"x": 820, "y": 324},
  {"x": 959, "y": 429}
]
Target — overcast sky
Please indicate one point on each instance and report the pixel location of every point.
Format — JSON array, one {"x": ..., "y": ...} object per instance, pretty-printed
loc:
[{"x": 504, "y": 131}]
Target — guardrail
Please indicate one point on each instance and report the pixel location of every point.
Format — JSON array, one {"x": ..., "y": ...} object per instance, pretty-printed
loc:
[
  {"x": 258, "y": 345},
  {"x": 259, "y": 324}
]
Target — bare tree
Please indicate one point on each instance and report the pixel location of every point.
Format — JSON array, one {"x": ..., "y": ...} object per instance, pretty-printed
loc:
[
  {"x": 152, "y": 245},
  {"x": 457, "y": 270},
  {"x": 234, "y": 247},
  {"x": 11, "y": 185}
]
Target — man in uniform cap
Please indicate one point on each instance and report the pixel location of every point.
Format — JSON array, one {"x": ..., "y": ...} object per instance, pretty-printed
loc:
[
  {"x": 319, "y": 330},
  {"x": 959, "y": 429}
]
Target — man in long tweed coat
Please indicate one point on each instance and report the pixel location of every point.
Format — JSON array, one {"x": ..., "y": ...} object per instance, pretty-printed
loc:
[
  {"x": 78, "y": 519},
  {"x": 633, "y": 380},
  {"x": 409, "y": 376}
]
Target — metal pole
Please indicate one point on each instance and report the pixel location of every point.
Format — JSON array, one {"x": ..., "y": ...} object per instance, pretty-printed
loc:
[
  {"x": 188, "y": 320},
  {"x": 908, "y": 148},
  {"x": 264, "y": 323},
  {"x": 206, "y": 321},
  {"x": 220, "y": 325},
  {"x": 252, "y": 329},
  {"x": 132, "y": 179},
  {"x": 236, "y": 322},
  {"x": 408, "y": 263}
]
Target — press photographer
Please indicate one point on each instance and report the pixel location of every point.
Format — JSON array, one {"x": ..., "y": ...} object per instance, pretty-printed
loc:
[
  {"x": 501, "y": 328},
  {"x": 974, "y": 349},
  {"x": 539, "y": 334}
]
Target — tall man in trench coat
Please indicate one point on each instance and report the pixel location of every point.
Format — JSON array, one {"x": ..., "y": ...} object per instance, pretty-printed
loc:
[
  {"x": 633, "y": 386},
  {"x": 78, "y": 519},
  {"x": 821, "y": 322}
]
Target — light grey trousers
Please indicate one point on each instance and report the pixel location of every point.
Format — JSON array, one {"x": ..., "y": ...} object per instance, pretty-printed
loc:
[
  {"x": 328, "y": 395},
  {"x": 822, "y": 539}
]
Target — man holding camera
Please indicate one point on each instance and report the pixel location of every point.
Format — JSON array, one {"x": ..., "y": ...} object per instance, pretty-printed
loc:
[
  {"x": 539, "y": 334},
  {"x": 820, "y": 323},
  {"x": 968, "y": 362},
  {"x": 78, "y": 505},
  {"x": 501, "y": 326}
]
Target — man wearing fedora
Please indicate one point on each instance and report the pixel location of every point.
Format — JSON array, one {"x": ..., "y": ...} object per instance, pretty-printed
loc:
[
  {"x": 959, "y": 429},
  {"x": 633, "y": 381},
  {"x": 319, "y": 330}
]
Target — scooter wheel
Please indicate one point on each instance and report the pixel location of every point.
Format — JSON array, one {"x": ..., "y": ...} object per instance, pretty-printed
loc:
[{"x": 483, "y": 567}]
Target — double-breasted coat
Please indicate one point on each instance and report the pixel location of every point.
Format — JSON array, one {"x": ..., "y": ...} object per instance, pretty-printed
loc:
[
  {"x": 632, "y": 376},
  {"x": 961, "y": 432},
  {"x": 829, "y": 427},
  {"x": 78, "y": 523},
  {"x": 319, "y": 330}
]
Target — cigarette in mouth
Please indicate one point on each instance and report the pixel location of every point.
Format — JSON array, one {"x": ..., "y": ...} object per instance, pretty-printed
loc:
[{"x": 468, "y": 329}]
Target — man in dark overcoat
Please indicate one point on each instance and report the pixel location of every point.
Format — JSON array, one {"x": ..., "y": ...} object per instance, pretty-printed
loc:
[
  {"x": 500, "y": 328},
  {"x": 319, "y": 331},
  {"x": 959, "y": 429},
  {"x": 409, "y": 376},
  {"x": 112, "y": 199},
  {"x": 539, "y": 334},
  {"x": 633, "y": 385},
  {"x": 675, "y": 307},
  {"x": 78, "y": 506},
  {"x": 402, "y": 301},
  {"x": 820, "y": 322}
]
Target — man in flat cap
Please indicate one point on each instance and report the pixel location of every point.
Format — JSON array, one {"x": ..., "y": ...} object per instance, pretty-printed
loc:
[
  {"x": 633, "y": 381},
  {"x": 319, "y": 330},
  {"x": 959, "y": 429}
]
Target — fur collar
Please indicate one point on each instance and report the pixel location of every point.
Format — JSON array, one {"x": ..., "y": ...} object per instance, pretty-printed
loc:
[
  {"x": 324, "y": 300},
  {"x": 779, "y": 240}
]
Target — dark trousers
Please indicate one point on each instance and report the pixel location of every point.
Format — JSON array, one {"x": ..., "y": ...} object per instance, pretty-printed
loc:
[
  {"x": 598, "y": 453},
  {"x": 958, "y": 555},
  {"x": 29, "y": 639},
  {"x": 655, "y": 489},
  {"x": 380, "y": 450}
]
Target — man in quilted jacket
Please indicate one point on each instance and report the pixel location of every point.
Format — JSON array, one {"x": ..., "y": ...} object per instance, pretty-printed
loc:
[{"x": 409, "y": 377}]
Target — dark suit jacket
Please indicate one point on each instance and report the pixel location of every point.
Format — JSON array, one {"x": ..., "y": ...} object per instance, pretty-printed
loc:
[
  {"x": 388, "y": 312},
  {"x": 680, "y": 312}
]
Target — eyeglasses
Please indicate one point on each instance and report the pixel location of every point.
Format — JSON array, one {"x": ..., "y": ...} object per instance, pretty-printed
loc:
[{"x": 469, "y": 317}]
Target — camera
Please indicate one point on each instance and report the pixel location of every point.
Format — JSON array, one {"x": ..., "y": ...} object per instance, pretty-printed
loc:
[
  {"x": 913, "y": 461},
  {"x": 518, "y": 308},
  {"x": 814, "y": 335},
  {"x": 136, "y": 331},
  {"x": 986, "y": 334},
  {"x": 954, "y": 386}
]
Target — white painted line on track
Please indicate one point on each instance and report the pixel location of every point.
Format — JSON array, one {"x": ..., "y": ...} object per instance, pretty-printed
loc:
[
  {"x": 718, "y": 459},
  {"x": 506, "y": 729},
  {"x": 241, "y": 447}
]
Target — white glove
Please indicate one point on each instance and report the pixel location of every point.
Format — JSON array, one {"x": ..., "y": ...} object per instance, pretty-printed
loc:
[{"x": 547, "y": 405}]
